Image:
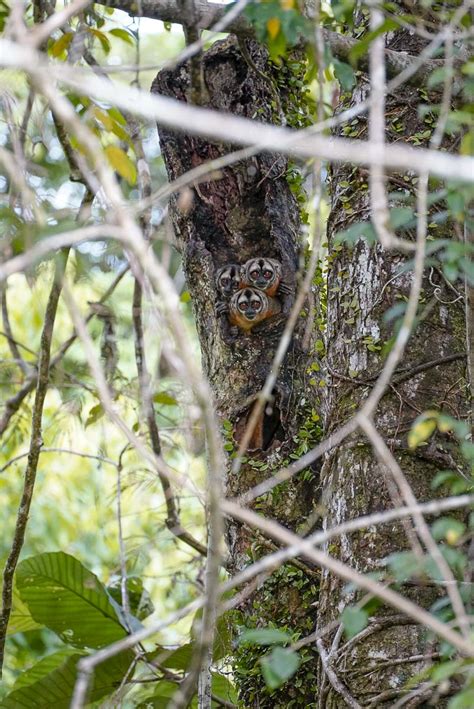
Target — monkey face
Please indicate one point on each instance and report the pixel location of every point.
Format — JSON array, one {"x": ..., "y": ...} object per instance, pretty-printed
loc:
[
  {"x": 262, "y": 273},
  {"x": 250, "y": 303},
  {"x": 228, "y": 279}
]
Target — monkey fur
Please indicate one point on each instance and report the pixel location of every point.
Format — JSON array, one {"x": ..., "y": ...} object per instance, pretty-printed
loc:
[
  {"x": 264, "y": 274},
  {"x": 228, "y": 280},
  {"x": 249, "y": 307}
]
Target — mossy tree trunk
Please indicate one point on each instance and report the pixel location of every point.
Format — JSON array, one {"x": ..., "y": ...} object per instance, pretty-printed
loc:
[
  {"x": 364, "y": 282},
  {"x": 248, "y": 210}
]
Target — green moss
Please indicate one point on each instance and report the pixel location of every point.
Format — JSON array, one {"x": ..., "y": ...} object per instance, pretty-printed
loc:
[{"x": 285, "y": 601}]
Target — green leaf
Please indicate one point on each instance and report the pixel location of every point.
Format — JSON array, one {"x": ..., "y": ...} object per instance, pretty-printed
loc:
[
  {"x": 163, "y": 398},
  {"x": 354, "y": 620},
  {"x": 95, "y": 414},
  {"x": 464, "y": 700},
  {"x": 438, "y": 76},
  {"x": 44, "y": 667},
  {"x": 264, "y": 636},
  {"x": 362, "y": 47},
  {"x": 401, "y": 216},
  {"x": 446, "y": 670},
  {"x": 69, "y": 599},
  {"x": 394, "y": 312},
  {"x": 50, "y": 683},
  {"x": 61, "y": 44},
  {"x": 180, "y": 658},
  {"x": 404, "y": 565},
  {"x": 139, "y": 599},
  {"x": 448, "y": 528},
  {"x": 20, "y": 618},
  {"x": 360, "y": 230},
  {"x": 124, "y": 35},
  {"x": 111, "y": 125},
  {"x": 103, "y": 39},
  {"x": 344, "y": 74},
  {"x": 120, "y": 161},
  {"x": 161, "y": 697},
  {"x": 223, "y": 688},
  {"x": 422, "y": 429},
  {"x": 278, "y": 666}
]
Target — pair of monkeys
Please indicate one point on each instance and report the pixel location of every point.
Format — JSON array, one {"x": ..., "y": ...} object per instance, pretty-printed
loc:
[{"x": 248, "y": 292}]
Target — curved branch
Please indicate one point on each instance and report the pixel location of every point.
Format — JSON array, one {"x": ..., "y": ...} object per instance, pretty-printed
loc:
[{"x": 207, "y": 14}]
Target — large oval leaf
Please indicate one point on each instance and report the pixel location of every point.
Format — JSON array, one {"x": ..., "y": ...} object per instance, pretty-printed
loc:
[
  {"x": 20, "y": 619},
  {"x": 50, "y": 683},
  {"x": 69, "y": 599},
  {"x": 164, "y": 691}
]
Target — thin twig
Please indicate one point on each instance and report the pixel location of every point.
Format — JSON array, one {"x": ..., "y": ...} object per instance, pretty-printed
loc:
[
  {"x": 34, "y": 452},
  {"x": 334, "y": 679},
  {"x": 25, "y": 368},
  {"x": 464, "y": 645},
  {"x": 173, "y": 522},
  {"x": 13, "y": 404},
  {"x": 178, "y": 115},
  {"x": 66, "y": 451}
]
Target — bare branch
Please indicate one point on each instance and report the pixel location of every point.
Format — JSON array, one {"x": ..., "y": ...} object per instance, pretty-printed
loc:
[
  {"x": 208, "y": 14},
  {"x": 334, "y": 679},
  {"x": 284, "y": 536},
  {"x": 196, "y": 120}
]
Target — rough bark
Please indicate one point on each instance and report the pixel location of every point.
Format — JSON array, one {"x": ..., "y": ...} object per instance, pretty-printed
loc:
[
  {"x": 362, "y": 285},
  {"x": 247, "y": 211}
]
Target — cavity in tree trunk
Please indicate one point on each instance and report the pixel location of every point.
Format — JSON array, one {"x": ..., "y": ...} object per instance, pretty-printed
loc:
[{"x": 248, "y": 210}]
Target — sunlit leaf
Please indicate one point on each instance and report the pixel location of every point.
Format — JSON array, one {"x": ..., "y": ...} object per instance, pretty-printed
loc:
[
  {"x": 448, "y": 528},
  {"x": 123, "y": 34},
  {"x": 120, "y": 161},
  {"x": 61, "y": 44},
  {"x": 103, "y": 39},
  {"x": 421, "y": 430},
  {"x": 163, "y": 398},
  {"x": 20, "y": 618},
  {"x": 273, "y": 27}
]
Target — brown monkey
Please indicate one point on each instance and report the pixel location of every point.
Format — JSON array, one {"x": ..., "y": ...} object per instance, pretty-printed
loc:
[
  {"x": 265, "y": 274},
  {"x": 228, "y": 280},
  {"x": 249, "y": 307}
]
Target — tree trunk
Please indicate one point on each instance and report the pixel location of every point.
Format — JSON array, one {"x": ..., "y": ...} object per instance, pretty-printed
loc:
[
  {"x": 364, "y": 283},
  {"x": 248, "y": 210}
]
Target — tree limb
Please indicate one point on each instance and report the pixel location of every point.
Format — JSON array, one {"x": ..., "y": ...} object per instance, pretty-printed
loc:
[{"x": 207, "y": 14}]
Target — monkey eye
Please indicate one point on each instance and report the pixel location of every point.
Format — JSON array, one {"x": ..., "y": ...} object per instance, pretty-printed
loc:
[
  {"x": 267, "y": 274},
  {"x": 243, "y": 306},
  {"x": 225, "y": 281},
  {"x": 256, "y": 304},
  {"x": 255, "y": 273}
]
